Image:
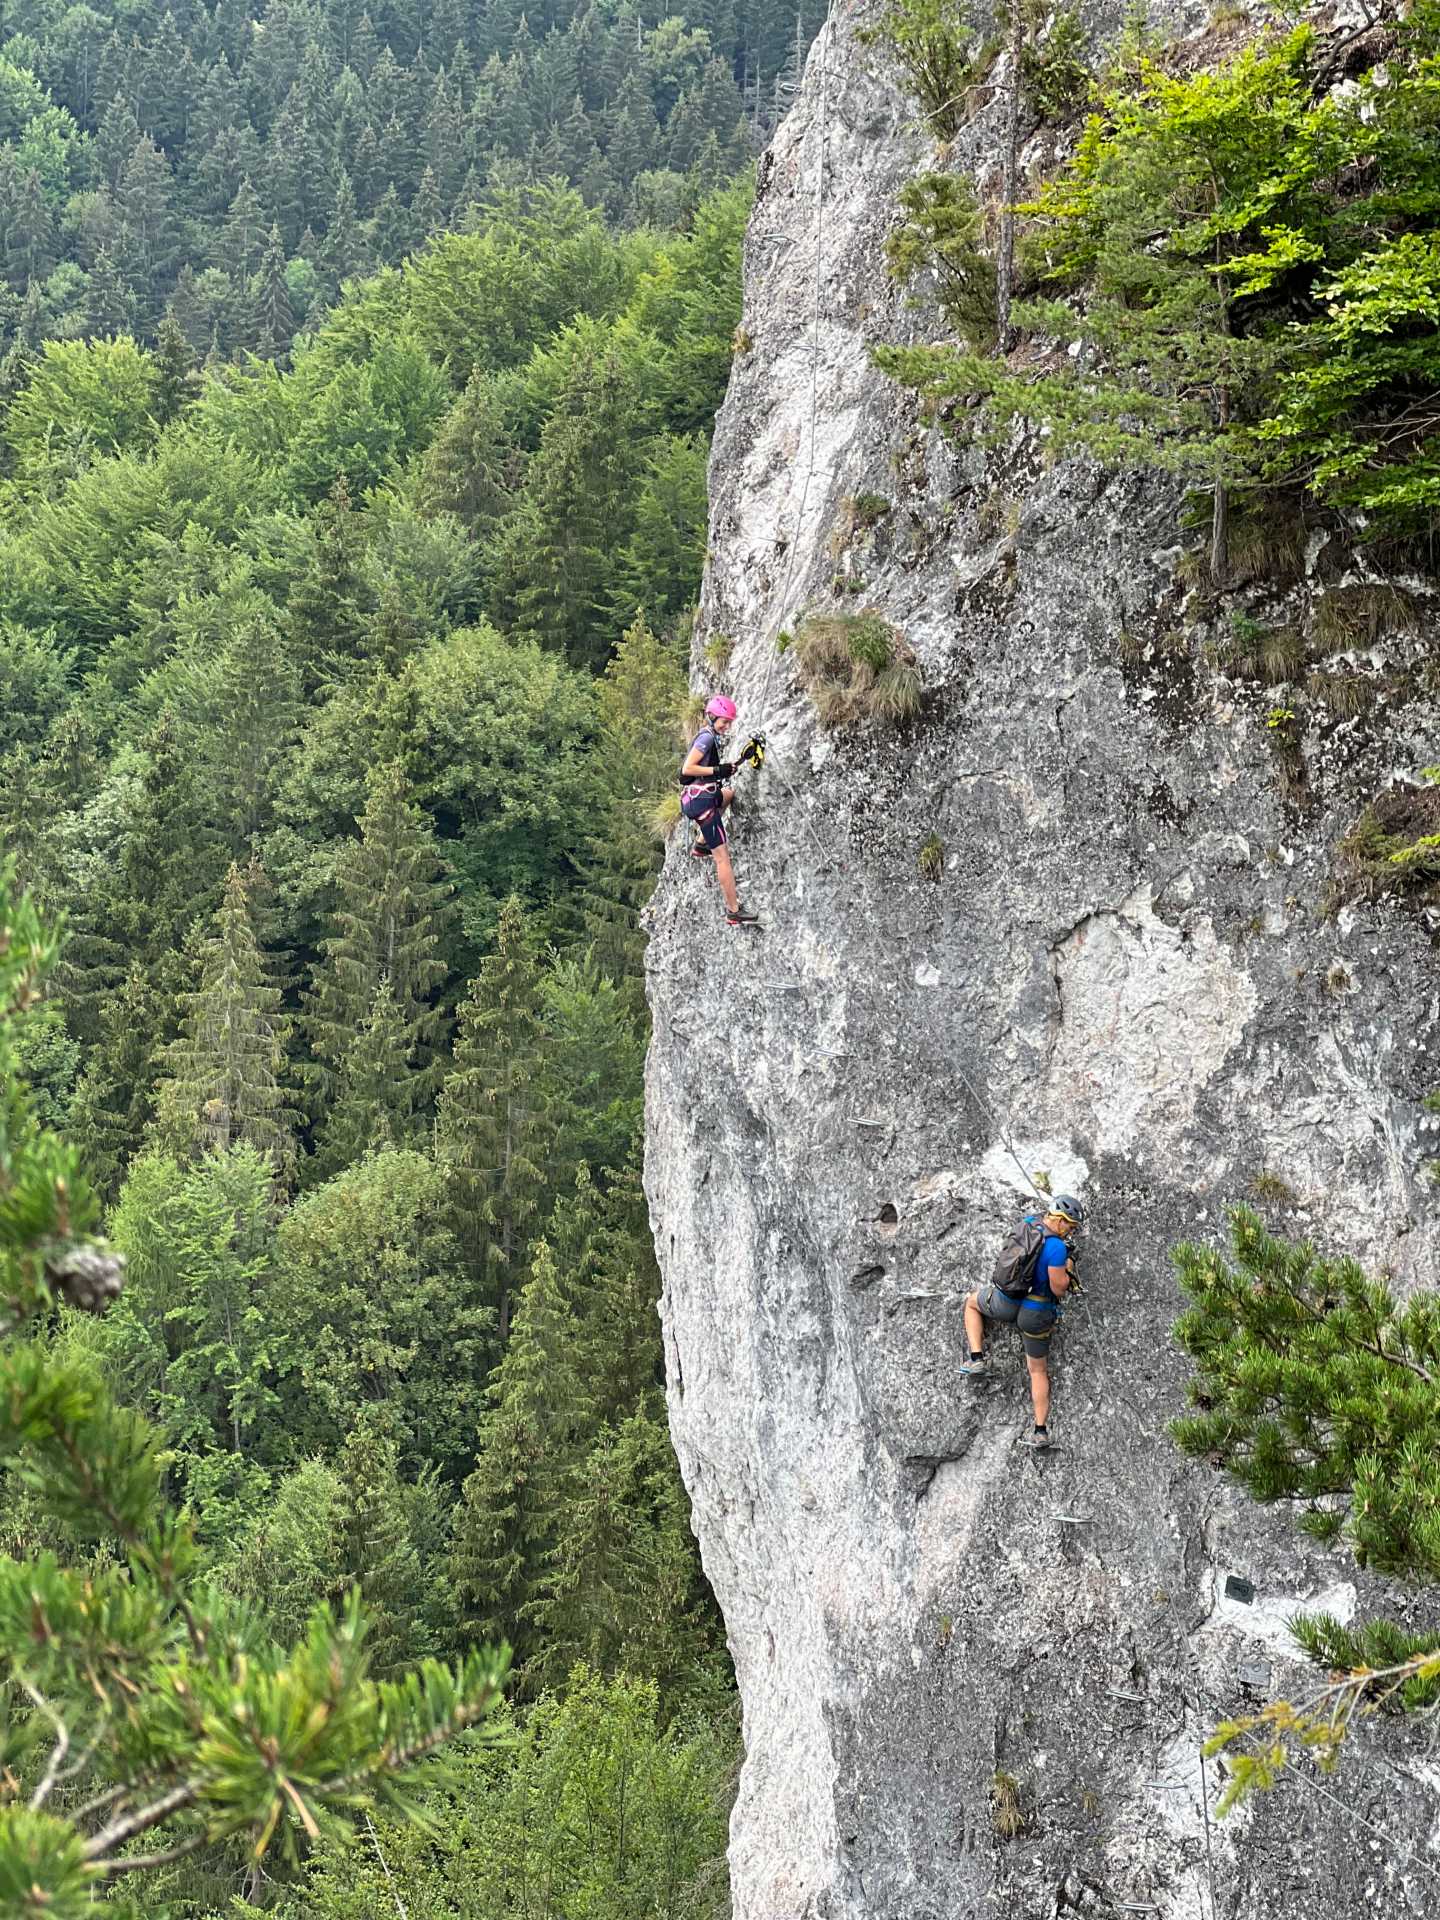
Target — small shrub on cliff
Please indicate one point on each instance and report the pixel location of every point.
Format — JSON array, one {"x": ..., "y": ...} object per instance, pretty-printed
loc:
[
  {"x": 1394, "y": 847},
  {"x": 856, "y": 667},
  {"x": 1358, "y": 616},
  {"x": 942, "y": 232},
  {"x": 1054, "y": 62},
  {"x": 938, "y": 53}
]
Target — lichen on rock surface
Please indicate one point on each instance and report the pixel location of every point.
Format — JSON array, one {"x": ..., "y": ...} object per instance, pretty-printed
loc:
[{"x": 1124, "y": 975}]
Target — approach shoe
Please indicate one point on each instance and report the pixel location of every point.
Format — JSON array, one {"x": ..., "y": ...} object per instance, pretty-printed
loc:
[
  {"x": 1039, "y": 1438},
  {"x": 979, "y": 1365},
  {"x": 742, "y": 917}
]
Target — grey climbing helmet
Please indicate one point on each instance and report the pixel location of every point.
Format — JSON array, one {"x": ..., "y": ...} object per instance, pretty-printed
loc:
[{"x": 1067, "y": 1204}]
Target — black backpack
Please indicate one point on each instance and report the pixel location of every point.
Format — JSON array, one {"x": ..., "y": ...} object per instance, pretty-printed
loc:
[{"x": 1015, "y": 1269}]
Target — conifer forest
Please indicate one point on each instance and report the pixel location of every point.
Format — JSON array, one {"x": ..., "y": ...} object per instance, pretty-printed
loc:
[{"x": 357, "y": 373}]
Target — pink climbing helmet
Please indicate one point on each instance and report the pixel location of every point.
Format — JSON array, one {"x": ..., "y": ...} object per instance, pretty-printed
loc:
[{"x": 720, "y": 708}]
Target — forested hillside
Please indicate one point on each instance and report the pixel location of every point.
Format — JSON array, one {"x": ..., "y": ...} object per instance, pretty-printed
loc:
[
  {"x": 346, "y": 567},
  {"x": 236, "y": 164}
]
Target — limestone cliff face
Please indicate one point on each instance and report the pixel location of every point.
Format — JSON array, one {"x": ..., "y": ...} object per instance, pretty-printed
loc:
[{"x": 1123, "y": 976}]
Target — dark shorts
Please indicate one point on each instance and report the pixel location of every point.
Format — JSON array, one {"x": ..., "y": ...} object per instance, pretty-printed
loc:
[
  {"x": 704, "y": 809},
  {"x": 1034, "y": 1324}
]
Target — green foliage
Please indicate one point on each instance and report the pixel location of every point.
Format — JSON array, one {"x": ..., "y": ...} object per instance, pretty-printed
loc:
[
  {"x": 937, "y": 52},
  {"x": 189, "y": 1343},
  {"x": 494, "y": 1128},
  {"x": 598, "y": 1806},
  {"x": 1317, "y": 1385},
  {"x": 34, "y": 671},
  {"x": 638, "y": 698},
  {"x": 226, "y": 1072},
  {"x": 324, "y": 666},
  {"x": 82, "y": 400},
  {"x": 867, "y": 510},
  {"x": 1394, "y": 847},
  {"x": 388, "y": 920},
  {"x": 1253, "y": 317},
  {"x": 856, "y": 669},
  {"x": 942, "y": 232},
  {"x": 223, "y": 1735},
  {"x": 1054, "y": 64},
  {"x": 369, "y": 1304}
]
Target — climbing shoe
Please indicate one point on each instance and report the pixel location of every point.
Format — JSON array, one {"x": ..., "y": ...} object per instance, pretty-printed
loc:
[
  {"x": 742, "y": 917},
  {"x": 700, "y": 851},
  {"x": 977, "y": 1363}
]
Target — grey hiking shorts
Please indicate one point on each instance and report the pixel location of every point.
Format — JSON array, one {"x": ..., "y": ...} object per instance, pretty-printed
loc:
[
  {"x": 995, "y": 1305},
  {"x": 1036, "y": 1324}
]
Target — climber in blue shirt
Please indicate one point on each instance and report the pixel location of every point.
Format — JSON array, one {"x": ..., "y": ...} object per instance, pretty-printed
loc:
[{"x": 1036, "y": 1280}]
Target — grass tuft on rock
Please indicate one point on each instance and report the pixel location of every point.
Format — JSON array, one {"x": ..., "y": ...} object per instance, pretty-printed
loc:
[
  {"x": 666, "y": 816},
  {"x": 857, "y": 668},
  {"x": 1358, "y": 616}
]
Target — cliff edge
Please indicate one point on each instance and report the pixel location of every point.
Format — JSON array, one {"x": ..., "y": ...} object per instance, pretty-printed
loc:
[{"x": 975, "y": 1682}]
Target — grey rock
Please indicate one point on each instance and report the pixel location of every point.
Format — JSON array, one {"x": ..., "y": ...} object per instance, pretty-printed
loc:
[{"x": 1121, "y": 979}]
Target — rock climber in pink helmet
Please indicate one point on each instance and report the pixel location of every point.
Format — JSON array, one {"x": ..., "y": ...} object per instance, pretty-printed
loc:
[{"x": 704, "y": 798}]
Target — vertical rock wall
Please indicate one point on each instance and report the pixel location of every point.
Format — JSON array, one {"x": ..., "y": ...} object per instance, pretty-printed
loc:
[{"x": 1124, "y": 975}]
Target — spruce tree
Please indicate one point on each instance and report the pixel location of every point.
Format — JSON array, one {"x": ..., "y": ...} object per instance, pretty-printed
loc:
[
  {"x": 30, "y": 237},
  {"x": 331, "y": 600},
  {"x": 273, "y": 317},
  {"x": 110, "y": 306},
  {"x": 391, "y": 910},
  {"x": 492, "y": 1131},
  {"x": 114, "y": 1101},
  {"x": 635, "y": 767},
  {"x": 225, "y": 1075},
  {"x": 390, "y": 229},
  {"x": 376, "y": 1095},
  {"x": 151, "y": 232},
  {"x": 342, "y": 255},
  {"x": 365, "y": 168},
  {"x": 116, "y": 140},
  {"x": 241, "y": 246},
  {"x": 530, "y": 1442},
  {"x": 374, "y": 1546},
  {"x": 426, "y": 212},
  {"x": 172, "y": 868},
  {"x": 555, "y": 559},
  {"x": 253, "y": 691},
  {"x": 622, "y": 1587},
  {"x": 175, "y": 364}
]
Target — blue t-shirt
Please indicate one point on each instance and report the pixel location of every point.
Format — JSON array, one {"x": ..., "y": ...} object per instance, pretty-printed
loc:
[{"x": 1054, "y": 1253}]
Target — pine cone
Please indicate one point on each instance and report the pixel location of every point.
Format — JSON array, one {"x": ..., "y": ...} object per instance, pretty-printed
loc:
[{"x": 89, "y": 1278}]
